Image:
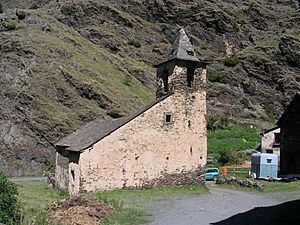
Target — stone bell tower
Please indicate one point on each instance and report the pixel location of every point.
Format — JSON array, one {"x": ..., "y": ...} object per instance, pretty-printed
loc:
[
  {"x": 182, "y": 70},
  {"x": 181, "y": 78}
]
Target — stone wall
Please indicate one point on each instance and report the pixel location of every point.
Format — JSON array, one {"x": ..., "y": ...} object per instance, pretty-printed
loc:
[
  {"x": 149, "y": 151},
  {"x": 62, "y": 170},
  {"x": 290, "y": 142},
  {"x": 267, "y": 142}
]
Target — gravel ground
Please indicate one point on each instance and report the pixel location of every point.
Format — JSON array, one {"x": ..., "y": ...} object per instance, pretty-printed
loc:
[{"x": 221, "y": 206}]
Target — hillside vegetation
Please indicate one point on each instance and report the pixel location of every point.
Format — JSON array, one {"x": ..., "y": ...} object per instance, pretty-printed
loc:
[{"x": 66, "y": 62}]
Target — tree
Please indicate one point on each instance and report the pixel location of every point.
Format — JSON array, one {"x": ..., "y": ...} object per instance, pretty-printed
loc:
[
  {"x": 9, "y": 206},
  {"x": 1, "y": 8}
]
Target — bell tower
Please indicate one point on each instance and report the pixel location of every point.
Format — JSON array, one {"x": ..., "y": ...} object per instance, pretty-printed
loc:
[{"x": 182, "y": 70}]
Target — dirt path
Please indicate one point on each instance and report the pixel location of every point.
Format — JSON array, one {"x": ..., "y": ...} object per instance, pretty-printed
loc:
[{"x": 216, "y": 208}]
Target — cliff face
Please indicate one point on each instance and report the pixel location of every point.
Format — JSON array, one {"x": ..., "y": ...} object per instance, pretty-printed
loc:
[{"x": 66, "y": 62}]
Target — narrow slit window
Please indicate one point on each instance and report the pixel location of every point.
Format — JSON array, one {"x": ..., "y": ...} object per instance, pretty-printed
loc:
[
  {"x": 73, "y": 174},
  {"x": 168, "y": 118}
]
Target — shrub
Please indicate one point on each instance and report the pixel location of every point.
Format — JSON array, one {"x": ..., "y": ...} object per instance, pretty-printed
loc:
[
  {"x": 236, "y": 27},
  {"x": 217, "y": 122},
  {"x": 230, "y": 157},
  {"x": 34, "y": 6},
  {"x": 135, "y": 43},
  {"x": 231, "y": 61},
  {"x": 9, "y": 207},
  {"x": 127, "y": 80},
  {"x": 11, "y": 26},
  {"x": 204, "y": 47},
  {"x": 213, "y": 76}
]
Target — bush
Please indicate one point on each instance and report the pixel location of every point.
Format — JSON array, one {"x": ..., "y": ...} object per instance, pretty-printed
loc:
[
  {"x": 213, "y": 76},
  {"x": 9, "y": 207},
  {"x": 11, "y": 26},
  {"x": 204, "y": 47},
  {"x": 230, "y": 157},
  {"x": 34, "y": 6},
  {"x": 217, "y": 122},
  {"x": 135, "y": 43},
  {"x": 231, "y": 61}
]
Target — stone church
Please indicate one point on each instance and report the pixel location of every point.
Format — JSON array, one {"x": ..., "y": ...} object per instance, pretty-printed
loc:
[{"x": 160, "y": 145}]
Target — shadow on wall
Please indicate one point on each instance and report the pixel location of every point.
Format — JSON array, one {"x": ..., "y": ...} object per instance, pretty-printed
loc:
[{"x": 283, "y": 214}]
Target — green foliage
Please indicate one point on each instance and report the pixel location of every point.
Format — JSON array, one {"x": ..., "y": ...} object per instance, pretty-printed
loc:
[
  {"x": 231, "y": 61},
  {"x": 232, "y": 137},
  {"x": 35, "y": 198},
  {"x": 135, "y": 43},
  {"x": 34, "y": 6},
  {"x": 204, "y": 47},
  {"x": 217, "y": 122},
  {"x": 230, "y": 157},
  {"x": 214, "y": 76},
  {"x": 236, "y": 27},
  {"x": 11, "y": 26},
  {"x": 127, "y": 80},
  {"x": 9, "y": 207}
]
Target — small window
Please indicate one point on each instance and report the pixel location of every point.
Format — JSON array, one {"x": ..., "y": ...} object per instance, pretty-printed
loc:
[
  {"x": 168, "y": 118},
  {"x": 276, "y": 138},
  {"x": 269, "y": 160}
]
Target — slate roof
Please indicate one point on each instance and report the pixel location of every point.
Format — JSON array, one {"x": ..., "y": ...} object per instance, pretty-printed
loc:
[
  {"x": 96, "y": 130},
  {"x": 295, "y": 100},
  {"x": 270, "y": 130},
  {"x": 182, "y": 49}
]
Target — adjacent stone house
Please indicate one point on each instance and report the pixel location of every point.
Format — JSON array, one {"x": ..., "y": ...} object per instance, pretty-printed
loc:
[
  {"x": 270, "y": 141},
  {"x": 289, "y": 124},
  {"x": 162, "y": 144}
]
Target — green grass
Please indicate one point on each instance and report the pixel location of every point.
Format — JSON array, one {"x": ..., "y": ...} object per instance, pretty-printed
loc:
[
  {"x": 36, "y": 197},
  {"x": 235, "y": 137},
  {"x": 131, "y": 205}
]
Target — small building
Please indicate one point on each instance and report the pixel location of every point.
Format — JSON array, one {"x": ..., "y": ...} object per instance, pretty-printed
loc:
[
  {"x": 162, "y": 144},
  {"x": 270, "y": 141},
  {"x": 289, "y": 124},
  {"x": 264, "y": 165}
]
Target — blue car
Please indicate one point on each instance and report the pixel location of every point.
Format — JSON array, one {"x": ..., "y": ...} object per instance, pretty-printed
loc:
[{"x": 212, "y": 173}]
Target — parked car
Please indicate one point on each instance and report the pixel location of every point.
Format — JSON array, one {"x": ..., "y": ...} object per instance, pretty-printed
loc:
[{"x": 211, "y": 173}]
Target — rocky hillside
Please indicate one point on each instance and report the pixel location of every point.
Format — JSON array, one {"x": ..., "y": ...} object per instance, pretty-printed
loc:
[{"x": 66, "y": 62}]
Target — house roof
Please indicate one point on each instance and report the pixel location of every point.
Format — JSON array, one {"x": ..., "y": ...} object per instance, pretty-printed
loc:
[
  {"x": 270, "y": 130},
  {"x": 182, "y": 49},
  {"x": 96, "y": 130},
  {"x": 295, "y": 100}
]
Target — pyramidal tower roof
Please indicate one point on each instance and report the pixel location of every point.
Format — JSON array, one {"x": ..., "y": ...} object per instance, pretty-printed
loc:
[{"x": 182, "y": 48}]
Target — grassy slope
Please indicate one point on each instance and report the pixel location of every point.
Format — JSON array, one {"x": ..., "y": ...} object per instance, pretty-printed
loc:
[
  {"x": 232, "y": 138},
  {"x": 60, "y": 51}
]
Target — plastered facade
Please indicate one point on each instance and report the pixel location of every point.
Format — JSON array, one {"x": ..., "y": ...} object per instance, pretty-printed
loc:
[
  {"x": 269, "y": 143},
  {"x": 149, "y": 150}
]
